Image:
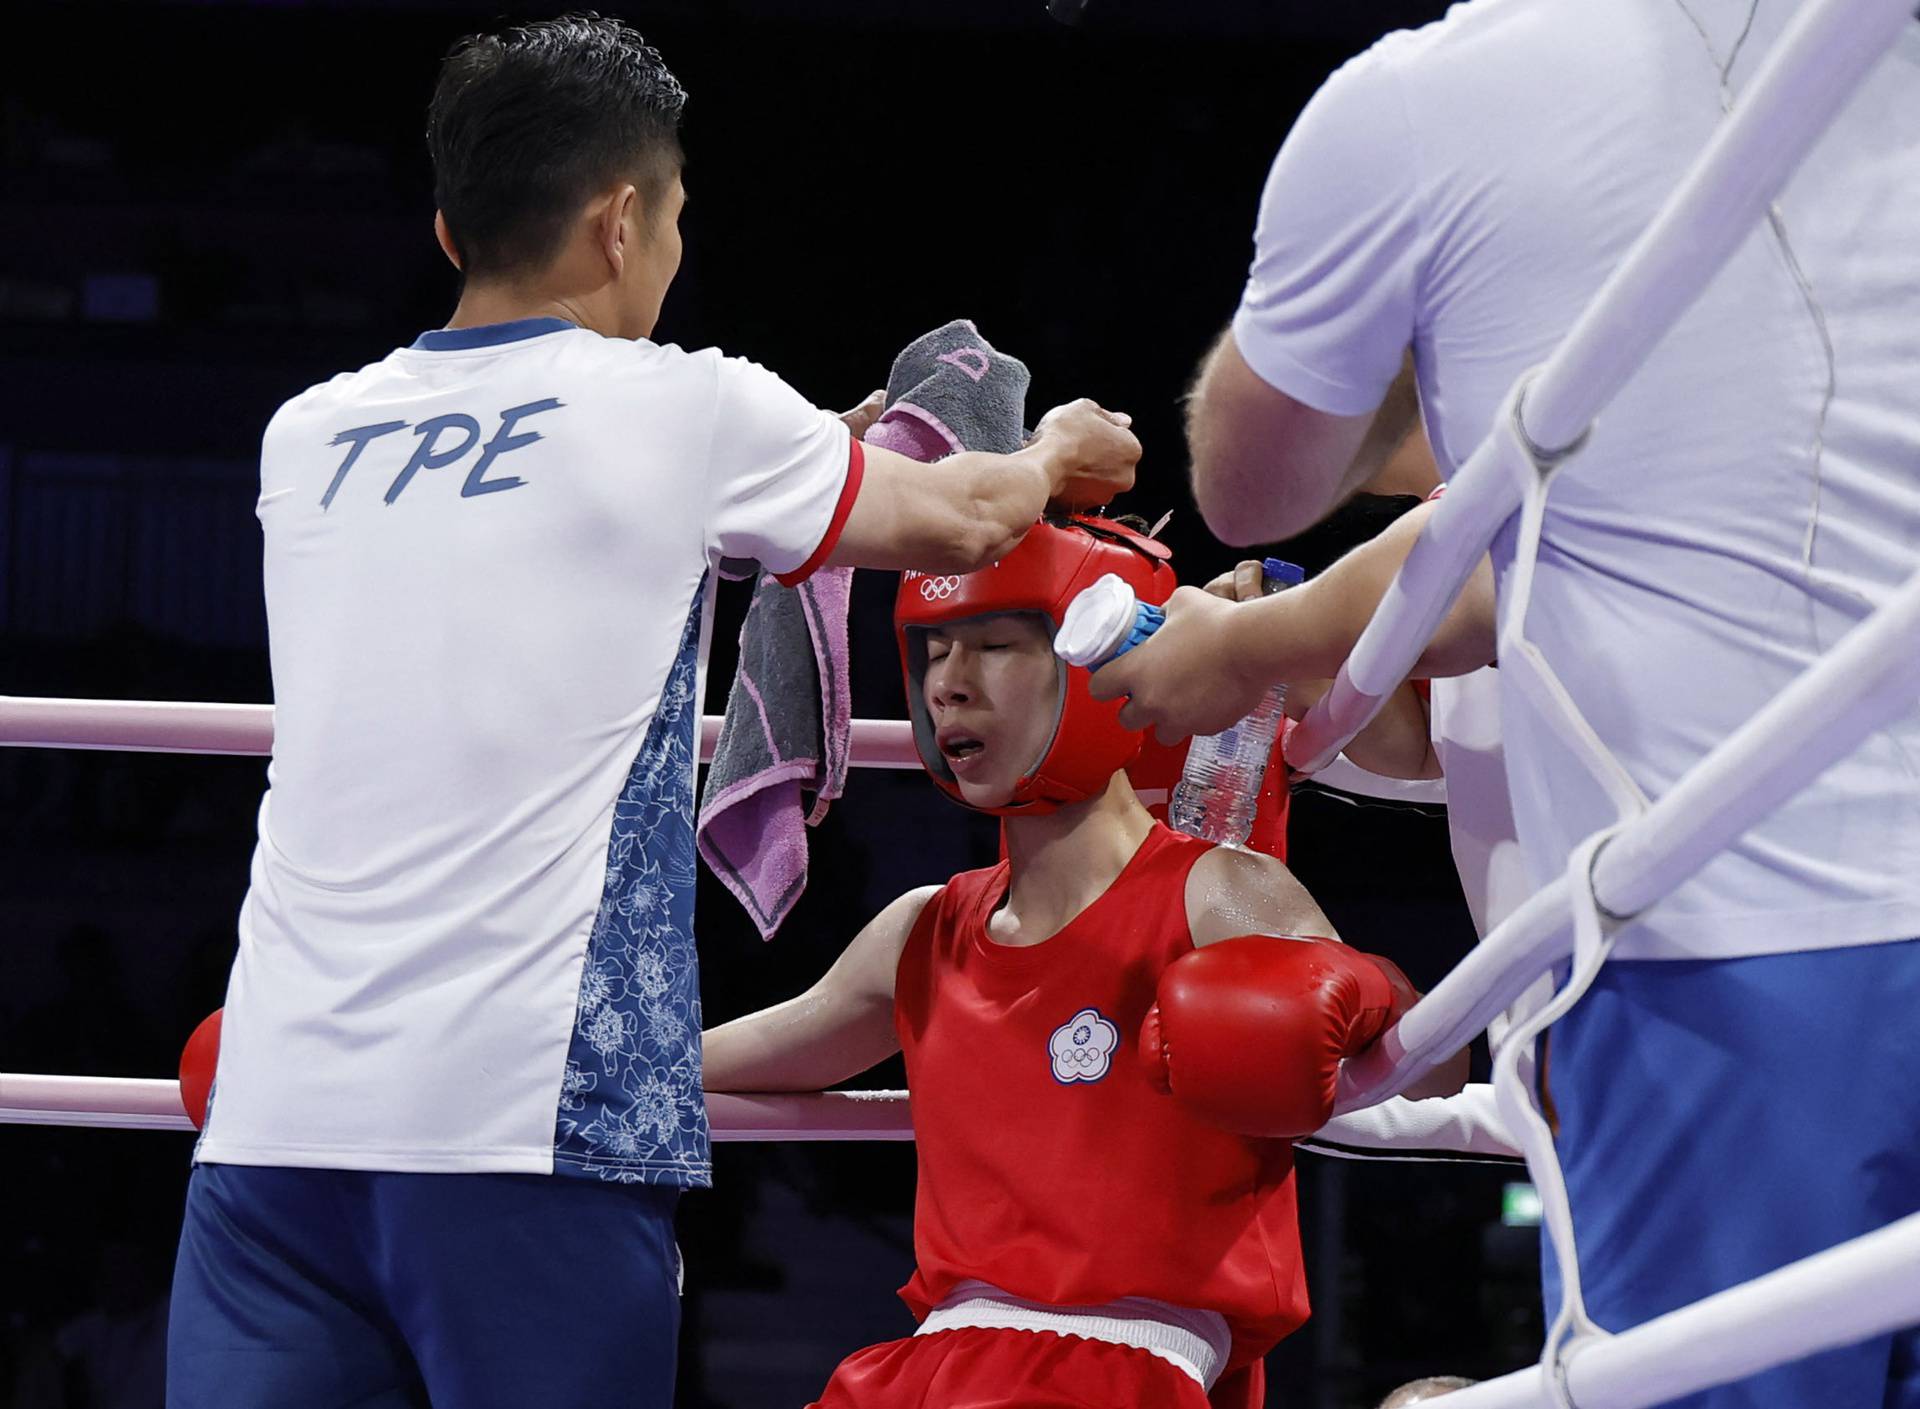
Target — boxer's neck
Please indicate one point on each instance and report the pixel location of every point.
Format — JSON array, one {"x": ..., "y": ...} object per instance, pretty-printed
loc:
[{"x": 1061, "y": 863}]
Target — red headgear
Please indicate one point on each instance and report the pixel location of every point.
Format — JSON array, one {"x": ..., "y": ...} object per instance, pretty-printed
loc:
[{"x": 1045, "y": 573}]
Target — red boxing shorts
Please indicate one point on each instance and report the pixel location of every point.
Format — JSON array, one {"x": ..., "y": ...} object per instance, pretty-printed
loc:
[{"x": 1006, "y": 1369}]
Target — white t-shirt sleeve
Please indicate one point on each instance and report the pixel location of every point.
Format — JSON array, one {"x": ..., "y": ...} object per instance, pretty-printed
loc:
[
  {"x": 1466, "y": 1125},
  {"x": 1343, "y": 775},
  {"x": 778, "y": 472},
  {"x": 1330, "y": 302}
]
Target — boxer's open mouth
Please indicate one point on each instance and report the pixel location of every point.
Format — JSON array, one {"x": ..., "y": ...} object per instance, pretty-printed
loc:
[{"x": 961, "y": 749}]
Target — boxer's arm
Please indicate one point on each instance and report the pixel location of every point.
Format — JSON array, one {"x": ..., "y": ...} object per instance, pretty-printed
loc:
[
  {"x": 1232, "y": 893},
  {"x": 1249, "y": 1033},
  {"x": 833, "y": 1031}
]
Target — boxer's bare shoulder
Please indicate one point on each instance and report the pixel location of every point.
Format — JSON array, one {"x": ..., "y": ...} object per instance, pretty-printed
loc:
[{"x": 1232, "y": 892}]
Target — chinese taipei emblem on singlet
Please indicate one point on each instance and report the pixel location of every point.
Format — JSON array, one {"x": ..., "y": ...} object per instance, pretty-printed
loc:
[{"x": 1082, "y": 1047}]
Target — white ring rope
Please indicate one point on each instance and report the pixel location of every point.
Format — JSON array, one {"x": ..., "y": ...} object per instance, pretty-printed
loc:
[
  {"x": 163, "y": 726},
  {"x": 1516, "y": 1092},
  {"x": 1515, "y": 1059},
  {"x": 136, "y": 1103},
  {"x": 1866, "y": 682},
  {"x": 1850, "y": 1293}
]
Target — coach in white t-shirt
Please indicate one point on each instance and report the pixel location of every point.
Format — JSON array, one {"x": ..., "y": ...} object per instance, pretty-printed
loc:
[
  {"x": 1737, "y": 1090},
  {"x": 459, "y": 1085}
]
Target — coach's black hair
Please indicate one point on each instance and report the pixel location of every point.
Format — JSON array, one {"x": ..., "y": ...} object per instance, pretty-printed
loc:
[{"x": 527, "y": 123}]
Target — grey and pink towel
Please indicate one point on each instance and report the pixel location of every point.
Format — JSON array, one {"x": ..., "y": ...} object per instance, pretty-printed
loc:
[
  {"x": 781, "y": 758},
  {"x": 950, "y": 390}
]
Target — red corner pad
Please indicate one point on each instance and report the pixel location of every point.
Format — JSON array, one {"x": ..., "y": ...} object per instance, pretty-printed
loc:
[{"x": 850, "y": 491}]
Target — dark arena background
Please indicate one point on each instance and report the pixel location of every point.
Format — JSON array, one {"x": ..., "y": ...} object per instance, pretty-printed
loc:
[{"x": 204, "y": 208}]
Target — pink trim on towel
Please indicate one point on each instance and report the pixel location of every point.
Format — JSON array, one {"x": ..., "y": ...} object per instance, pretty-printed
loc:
[
  {"x": 827, "y": 606},
  {"x": 963, "y": 358},
  {"x": 752, "y": 834},
  {"x": 915, "y": 434},
  {"x": 753, "y": 840},
  {"x": 766, "y": 724}
]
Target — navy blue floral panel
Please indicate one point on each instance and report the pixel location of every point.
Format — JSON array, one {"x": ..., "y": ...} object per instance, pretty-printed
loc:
[{"x": 631, "y": 1110}]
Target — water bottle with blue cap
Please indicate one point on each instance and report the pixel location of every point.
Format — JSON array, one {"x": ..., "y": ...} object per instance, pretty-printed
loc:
[
  {"x": 1104, "y": 622},
  {"x": 1219, "y": 789}
]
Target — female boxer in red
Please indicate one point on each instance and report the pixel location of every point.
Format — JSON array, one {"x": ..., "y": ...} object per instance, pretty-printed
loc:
[{"x": 1105, "y": 1066}]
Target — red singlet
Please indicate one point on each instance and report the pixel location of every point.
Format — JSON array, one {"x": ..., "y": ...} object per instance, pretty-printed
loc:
[{"x": 1049, "y": 1166}]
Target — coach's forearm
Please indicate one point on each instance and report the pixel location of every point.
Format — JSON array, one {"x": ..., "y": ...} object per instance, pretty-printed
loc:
[
  {"x": 1264, "y": 466},
  {"x": 1354, "y": 587},
  {"x": 1297, "y": 635},
  {"x": 1397, "y": 742},
  {"x": 1307, "y": 632},
  {"x": 957, "y": 515},
  {"x": 991, "y": 501}
]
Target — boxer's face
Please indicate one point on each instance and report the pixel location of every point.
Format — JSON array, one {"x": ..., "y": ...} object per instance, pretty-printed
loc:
[{"x": 992, "y": 690}]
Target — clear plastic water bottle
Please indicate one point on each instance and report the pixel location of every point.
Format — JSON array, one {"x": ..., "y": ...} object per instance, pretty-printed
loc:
[{"x": 1219, "y": 790}]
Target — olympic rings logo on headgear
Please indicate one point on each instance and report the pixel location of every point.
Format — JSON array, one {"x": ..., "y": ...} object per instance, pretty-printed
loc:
[{"x": 938, "y": 589}]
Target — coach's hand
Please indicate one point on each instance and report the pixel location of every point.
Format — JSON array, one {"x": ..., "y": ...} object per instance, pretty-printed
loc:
[
  {"x": 1246, "y": 582},
  {"x": 1189, "y": 677},
  {"x": 861, "y": 418},
  {"x": 1091, "y": 453}
]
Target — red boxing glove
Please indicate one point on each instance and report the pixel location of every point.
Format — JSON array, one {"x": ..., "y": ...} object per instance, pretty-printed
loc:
[
  {"x": 1248, "y": 1034},
  {"x": 197, "y": 1062}
]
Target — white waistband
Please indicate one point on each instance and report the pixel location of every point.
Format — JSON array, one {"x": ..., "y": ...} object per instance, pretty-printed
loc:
[{"x": 1196, "y": 1342}]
